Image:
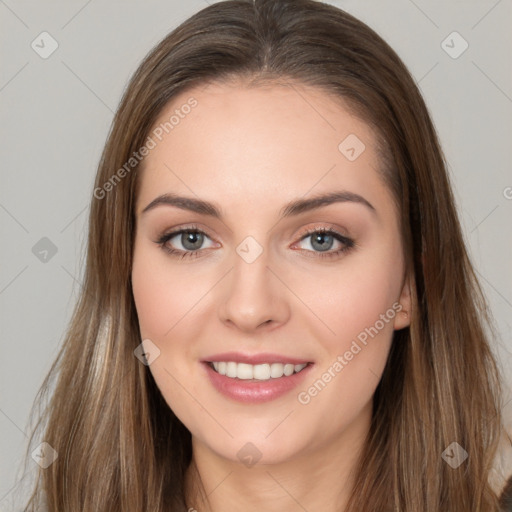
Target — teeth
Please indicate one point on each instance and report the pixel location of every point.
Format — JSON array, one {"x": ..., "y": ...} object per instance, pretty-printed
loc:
[{"x": 265, "y": 371}]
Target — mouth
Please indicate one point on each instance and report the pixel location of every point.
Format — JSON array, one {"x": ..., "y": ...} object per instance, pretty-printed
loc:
[
  {"x": 256, "y": 372},
  {"x": 254, "y": 379}
]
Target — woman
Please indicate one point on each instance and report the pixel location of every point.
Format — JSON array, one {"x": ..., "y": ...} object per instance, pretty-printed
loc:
[{"x": 278, "y": 309}]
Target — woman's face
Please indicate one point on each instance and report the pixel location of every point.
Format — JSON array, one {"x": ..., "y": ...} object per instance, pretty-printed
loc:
[{"x": 266, "y": 272}]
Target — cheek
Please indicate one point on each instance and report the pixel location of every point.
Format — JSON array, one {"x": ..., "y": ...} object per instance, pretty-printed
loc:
[
  {"x": 353, "y": 296},
  {"x": 358, "y": 303},
  {"x": 155, "y": 305},
  {"x": 170, "y": 300},
  {"x": 163, "y": 293},
  {"x": 163, "y": 301}
]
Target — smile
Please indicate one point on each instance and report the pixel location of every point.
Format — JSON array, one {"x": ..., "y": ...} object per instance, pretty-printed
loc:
[
  {"x": 255, "y": 383},
  {"x": 261, "y": 372}
]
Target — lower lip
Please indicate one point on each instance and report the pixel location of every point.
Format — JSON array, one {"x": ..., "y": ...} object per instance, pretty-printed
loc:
[{"x": 254, "y": 391}]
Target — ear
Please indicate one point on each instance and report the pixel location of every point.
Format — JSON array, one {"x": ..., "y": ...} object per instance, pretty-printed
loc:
[{"x": 404, "y": 311}]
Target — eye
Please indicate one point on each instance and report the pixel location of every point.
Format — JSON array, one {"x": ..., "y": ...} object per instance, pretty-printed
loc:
[
  {"x": 322, "y": 240},
  {"x": 317, "y": 242},
  {"x": 185, "y": 242}
]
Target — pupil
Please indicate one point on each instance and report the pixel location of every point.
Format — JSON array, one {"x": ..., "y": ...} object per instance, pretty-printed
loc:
[
  {"x": 322, "y": 241},
  {"x": 191, "y": 240}
]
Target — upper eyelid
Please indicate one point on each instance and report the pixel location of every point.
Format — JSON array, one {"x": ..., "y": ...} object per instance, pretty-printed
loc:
[{"x": 171, "y": 233}]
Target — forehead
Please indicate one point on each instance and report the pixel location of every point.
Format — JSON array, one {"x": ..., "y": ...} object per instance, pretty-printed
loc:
[{"x": 259, "y": 144}]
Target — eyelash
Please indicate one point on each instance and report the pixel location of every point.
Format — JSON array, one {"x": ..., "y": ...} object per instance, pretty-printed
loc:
[{"x": 348, "y": 243}]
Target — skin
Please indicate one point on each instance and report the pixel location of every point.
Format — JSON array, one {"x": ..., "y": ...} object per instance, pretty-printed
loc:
[{"x": 250, "y": 151}]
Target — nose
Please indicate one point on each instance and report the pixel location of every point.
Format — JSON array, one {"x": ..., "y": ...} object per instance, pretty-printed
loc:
[{"x": 253, "y": 298}]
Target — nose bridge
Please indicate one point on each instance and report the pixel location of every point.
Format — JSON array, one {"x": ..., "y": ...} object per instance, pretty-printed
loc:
[
  {"x": 250, "y": 272},
  {"x": 252, "y": 296}
]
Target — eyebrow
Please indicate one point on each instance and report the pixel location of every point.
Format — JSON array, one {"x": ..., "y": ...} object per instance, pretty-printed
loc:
[{"x": 294, "y": 207}]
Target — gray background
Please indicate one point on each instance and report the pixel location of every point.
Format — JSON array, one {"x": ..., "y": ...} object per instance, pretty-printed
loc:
[{"x": 56, "y": 113}]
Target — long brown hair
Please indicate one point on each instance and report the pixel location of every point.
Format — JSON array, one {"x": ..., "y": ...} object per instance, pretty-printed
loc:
[{"x": 120, "y": 447}]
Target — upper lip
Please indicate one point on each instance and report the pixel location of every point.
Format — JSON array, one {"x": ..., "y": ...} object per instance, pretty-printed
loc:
[{"x": 261, "y": 358}]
